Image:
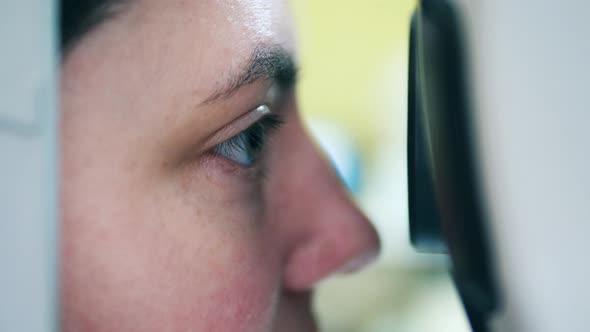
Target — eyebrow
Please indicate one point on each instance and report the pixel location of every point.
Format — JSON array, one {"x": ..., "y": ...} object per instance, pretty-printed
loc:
[{"x": 265, "y": 63}]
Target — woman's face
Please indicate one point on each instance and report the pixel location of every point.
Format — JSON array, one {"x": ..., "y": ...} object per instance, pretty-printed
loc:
[{"x": 186, "y": 205}]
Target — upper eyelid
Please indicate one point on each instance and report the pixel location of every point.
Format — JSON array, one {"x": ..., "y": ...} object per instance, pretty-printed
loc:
[
  {"x": 259, "y": 131},
  {"x": 275, "y": 97},
  {"x": 251, "y": 141},
  {"x": 236, "y": 127}
]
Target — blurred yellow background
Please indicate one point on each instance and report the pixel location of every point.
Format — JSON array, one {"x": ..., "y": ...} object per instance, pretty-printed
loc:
[
  {"x": 353, "y": 55},
  {"x": 353, "y": 59}
]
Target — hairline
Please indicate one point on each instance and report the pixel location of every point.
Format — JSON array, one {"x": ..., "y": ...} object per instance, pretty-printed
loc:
[{"x": 78, "y": 18}]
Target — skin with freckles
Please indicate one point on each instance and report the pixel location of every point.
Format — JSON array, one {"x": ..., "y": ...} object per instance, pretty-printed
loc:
[{"x": 160, "y": 232}]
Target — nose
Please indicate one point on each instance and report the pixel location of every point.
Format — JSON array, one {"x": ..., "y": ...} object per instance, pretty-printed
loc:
[{"x": 321, "y": 228}]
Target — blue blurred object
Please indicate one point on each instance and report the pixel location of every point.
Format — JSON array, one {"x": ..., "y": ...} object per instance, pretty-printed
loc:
[{"x": 342, "y": 151}]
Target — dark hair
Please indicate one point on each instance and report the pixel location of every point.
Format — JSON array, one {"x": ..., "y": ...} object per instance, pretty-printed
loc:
[{"x": 78, "y": 17}]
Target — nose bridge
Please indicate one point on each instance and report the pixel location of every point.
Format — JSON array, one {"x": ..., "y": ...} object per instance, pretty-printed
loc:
[{"x": 326, "y": 230}]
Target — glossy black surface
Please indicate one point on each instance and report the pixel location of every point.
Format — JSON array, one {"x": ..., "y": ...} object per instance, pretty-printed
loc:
[{"x": 445, "y": 206}]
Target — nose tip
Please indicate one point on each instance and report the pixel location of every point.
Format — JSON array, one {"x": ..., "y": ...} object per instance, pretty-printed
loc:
[
  {"x": 341, "y": 241},
  {"x": 361, "y": 261},
  {"x": 338, "y": 236},
  {"x": 362, "y": 247}
]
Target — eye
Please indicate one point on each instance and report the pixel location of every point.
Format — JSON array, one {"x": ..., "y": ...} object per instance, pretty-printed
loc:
[{"x": 246, "y": 147}]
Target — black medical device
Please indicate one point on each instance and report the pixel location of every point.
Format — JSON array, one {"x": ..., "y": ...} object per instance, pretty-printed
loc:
[{"x": 446, "y": 214}]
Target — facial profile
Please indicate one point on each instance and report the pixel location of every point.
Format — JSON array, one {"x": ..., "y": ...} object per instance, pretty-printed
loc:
[{"x": 192, "y": 197}]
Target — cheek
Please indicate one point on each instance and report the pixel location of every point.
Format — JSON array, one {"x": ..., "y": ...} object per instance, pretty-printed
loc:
[
  {"x": 160, "y": 258},
  {"x": 245, "y": 301},
  {"x": 227, "y": 286},
  {"x": 241, "y": 265}
]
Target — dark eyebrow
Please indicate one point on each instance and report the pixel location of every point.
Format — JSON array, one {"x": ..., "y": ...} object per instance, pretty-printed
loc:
[{"x": 265, "y": 63}]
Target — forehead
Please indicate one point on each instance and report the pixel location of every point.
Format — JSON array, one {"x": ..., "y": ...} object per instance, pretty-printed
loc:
[
  {"x": 241, "y": 21},
  {"x": 207, "y": 39}
]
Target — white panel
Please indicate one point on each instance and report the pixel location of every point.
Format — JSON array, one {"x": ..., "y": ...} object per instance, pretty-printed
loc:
[
  {"x": 531, "y": 81},
  {"x": 28, "y": 222}
]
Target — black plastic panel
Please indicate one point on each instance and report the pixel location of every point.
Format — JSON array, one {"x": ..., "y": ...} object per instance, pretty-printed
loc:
[{"x": 445, "y": 207}]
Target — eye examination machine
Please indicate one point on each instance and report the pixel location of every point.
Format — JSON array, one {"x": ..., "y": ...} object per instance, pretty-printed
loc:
[{"x": 498, "y": 157}]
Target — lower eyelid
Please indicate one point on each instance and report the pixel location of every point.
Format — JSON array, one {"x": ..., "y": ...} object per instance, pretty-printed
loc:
[
  {"x": 222, "y": 179},
  {"x": 214, "y": 163}
]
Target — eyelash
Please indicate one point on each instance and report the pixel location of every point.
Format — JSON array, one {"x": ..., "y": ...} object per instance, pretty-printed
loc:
[{"x": 249, "y": 144}]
